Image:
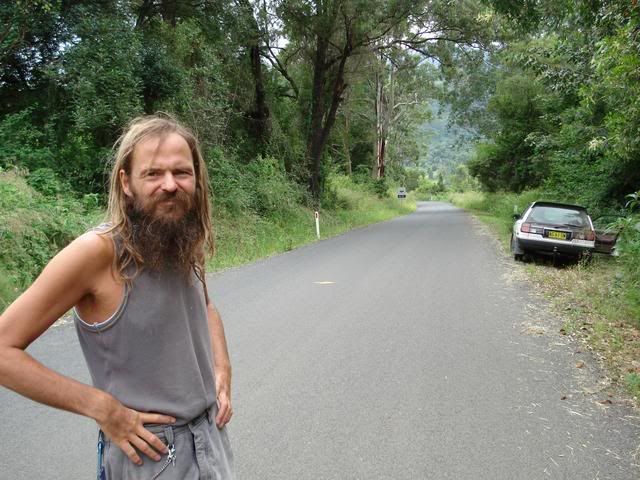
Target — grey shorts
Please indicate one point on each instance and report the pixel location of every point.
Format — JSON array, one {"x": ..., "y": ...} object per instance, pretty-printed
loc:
[{"x": 202, "y": 452}]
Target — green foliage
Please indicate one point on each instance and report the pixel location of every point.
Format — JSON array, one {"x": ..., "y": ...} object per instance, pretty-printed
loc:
[
  {"x": 628, "y": 247},
  {"x": 260, "y": 187},
  {"x": 33, "y": 227},
  {"x": 101, "y": 71},
  {"x": 633, "y": 383},
  {"x": 45, "y": 181},
  {"x": 499, "y": 206},
  {"x": 22, "y": 143},
  {"x": 427, "y": 188},
  {"x": 461, "y": 180},
  {"x": 508, "y": 161},
  {"x": 565, "y": 108},
  {"x": 202, "y": 97}
]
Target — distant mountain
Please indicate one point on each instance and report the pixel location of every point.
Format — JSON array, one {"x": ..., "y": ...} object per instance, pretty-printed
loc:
[{"x": 448, "y": 145}]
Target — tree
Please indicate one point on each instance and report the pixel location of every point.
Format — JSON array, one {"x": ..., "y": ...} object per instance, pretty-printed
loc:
[
  {"x": 330, "y": 33},
  {"x": 402, "y": 85}
]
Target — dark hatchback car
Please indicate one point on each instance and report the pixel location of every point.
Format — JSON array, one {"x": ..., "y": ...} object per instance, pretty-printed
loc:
[{"x": 553, "y": 228}]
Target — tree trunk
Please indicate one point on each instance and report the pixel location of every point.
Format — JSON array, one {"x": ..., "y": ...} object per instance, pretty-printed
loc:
[
  {"x": 259, "y": 124},
  {"x": 381, "y": 134},
  {"x": 322, "y": 119},
  {"x": 314, "y": 142},
  {"x": 261, "y": 127},
  {"x": 319, "y": 136},
  {"x": 346, "y": 148}
]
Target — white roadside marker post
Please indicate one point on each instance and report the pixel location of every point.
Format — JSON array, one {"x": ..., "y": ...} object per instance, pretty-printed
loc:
[{"x": 318, "y": 224}]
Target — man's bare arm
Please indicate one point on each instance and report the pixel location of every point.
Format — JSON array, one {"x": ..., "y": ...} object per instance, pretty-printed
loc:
[
  {"x": 68, "y": 278},
  {"x": 221, "y": 365}
]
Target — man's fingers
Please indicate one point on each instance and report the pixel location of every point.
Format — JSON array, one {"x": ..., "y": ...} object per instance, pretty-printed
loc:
[
  {"x": 226, "y": 417},
  {"x": 144, "y": 447},
  {"x": 130, "y": 452},
  {"x": 152, "y": 440},
  {"x": 156, "y": 418},
  {"x": 224, "y": 413}
]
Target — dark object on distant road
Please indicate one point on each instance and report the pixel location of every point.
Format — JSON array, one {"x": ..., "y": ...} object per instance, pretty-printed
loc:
[{"x": 555, "y": 229}]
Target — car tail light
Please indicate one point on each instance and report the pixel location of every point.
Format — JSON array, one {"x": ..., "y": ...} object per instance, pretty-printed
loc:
[
  {"x": 525, "y": 227},
  {"x": 585, "y": 235}
]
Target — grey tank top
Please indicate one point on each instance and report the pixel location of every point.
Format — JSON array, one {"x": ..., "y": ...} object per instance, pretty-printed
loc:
[{"x": 154, "y": 353}]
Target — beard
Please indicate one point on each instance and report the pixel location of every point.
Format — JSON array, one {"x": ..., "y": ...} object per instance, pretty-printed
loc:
[{"x": 166, "y": 232}]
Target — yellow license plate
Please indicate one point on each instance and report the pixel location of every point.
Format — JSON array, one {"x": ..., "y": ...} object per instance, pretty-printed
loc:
[{"x": 558, "y": 235}]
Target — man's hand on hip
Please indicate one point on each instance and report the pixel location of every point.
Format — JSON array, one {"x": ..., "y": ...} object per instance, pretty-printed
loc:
[
  {"x": 125, "y": 428},
  {"x": 223, "y": 390}
]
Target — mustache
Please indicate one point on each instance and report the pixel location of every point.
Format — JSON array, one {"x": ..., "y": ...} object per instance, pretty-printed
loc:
[
  {"x": 178, "y": 195},
  {"x": 139, "y": 209}
]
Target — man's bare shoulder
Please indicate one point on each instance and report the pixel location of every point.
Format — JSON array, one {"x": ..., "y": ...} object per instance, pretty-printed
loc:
[
  {"x": 94, "y": 247},
  {"x": 74, "y": 274},
  {"x": 85, "y": 259}
]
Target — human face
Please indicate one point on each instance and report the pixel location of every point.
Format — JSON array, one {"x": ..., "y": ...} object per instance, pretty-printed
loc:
[{"x": 162, "y": 174}]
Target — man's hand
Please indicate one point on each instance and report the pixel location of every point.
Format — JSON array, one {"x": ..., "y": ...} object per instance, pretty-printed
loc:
[
  {"x": 125, "y": 427},
  {"x": 221, "y": 366},
  {"x": 223, "y": 390}
]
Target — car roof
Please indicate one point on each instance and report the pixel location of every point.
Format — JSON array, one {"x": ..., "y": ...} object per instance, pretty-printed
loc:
[{"x": 560, "y": 205}]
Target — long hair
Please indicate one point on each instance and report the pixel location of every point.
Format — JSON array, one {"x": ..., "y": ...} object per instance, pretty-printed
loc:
[{"x": 127, "y": 253}]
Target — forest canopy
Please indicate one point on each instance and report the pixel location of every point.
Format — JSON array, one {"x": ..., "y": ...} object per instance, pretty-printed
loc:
[
  {"x": 548, "y": 89},
  {"x": 561, "y": 111},
  {"x": 316, "y": 86}
]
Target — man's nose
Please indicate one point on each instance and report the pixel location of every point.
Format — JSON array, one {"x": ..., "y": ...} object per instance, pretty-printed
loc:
[{"x": 169, "y": 183}]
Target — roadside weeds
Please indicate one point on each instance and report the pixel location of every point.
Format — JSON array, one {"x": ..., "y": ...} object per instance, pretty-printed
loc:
[{"x": 588, "y": 299}]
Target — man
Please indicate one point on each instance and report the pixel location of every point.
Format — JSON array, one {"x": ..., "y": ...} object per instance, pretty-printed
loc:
[{"x": 150, "y": 335}]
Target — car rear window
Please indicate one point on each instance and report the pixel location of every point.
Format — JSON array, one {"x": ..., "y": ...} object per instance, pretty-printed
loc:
[{"x": 558, "y": 216}]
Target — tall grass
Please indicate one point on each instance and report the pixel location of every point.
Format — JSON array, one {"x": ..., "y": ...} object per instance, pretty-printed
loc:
[
  {"x": 497, "y": 209},
  {"x": 33, "y": 227},
  {"x": 246, "y": 236}
]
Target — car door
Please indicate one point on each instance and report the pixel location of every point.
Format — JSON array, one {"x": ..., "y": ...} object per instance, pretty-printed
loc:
[{"x": 607, "y": 233}]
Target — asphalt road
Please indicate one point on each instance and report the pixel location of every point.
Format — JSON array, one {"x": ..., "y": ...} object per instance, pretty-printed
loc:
[{"x": 410, "y": 349}]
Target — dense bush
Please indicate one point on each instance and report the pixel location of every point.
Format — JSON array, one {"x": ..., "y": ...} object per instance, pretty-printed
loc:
[
  {"x": 261, "y": 186},
  {"x": 629, "y": 248},
  {"x": 22, "y": 143},
  {"x": 33, "y": 227}
]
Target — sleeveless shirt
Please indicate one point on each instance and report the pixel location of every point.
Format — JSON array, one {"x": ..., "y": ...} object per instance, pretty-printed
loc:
[{"x": 154, "y": 353}]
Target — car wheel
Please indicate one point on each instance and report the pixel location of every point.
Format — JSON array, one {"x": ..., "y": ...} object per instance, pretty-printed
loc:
[
  {"x": 518, "y": 254},
  {"x": 585, "y": 258}
]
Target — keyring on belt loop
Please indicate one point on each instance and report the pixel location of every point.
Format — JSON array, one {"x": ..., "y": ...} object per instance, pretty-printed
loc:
[{"x": 100, "y": 472}]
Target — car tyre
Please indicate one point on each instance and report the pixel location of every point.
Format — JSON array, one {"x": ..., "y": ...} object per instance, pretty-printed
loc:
[
  {"x": 586, "y": 258},
  {"x": 516, "y": 250}
]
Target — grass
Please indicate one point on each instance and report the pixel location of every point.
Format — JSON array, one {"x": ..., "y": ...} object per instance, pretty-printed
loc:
[
  {"x": 33, "y": 227},
  {"x": 596, "y": 298},
  {"x": 248, "y": 237},
  {"x": 496, "y": 209}
]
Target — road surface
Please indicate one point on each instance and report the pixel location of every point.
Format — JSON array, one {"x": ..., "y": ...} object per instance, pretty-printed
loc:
[{"x": 411, "y": 349}]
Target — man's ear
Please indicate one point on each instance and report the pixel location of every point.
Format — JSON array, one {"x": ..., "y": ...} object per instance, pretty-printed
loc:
[{"x": 124, "y": 182}]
